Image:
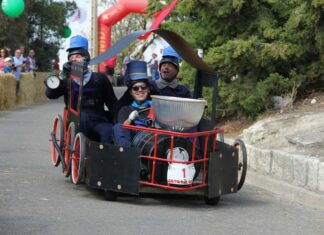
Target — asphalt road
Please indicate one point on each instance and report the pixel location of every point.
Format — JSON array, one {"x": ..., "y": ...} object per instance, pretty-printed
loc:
[{"x": 35, "y": 197}]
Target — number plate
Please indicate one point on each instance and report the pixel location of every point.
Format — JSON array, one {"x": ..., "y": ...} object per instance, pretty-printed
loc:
[{"x": 181, "y": 174}]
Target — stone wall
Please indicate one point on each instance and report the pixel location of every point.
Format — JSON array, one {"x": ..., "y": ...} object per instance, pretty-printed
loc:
[
  {"x": 31, "y": 90},
  {"x": 305, "y": 171}
]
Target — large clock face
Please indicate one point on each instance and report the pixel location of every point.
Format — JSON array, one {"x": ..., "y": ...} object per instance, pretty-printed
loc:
[{"x": 52, "y": 82}]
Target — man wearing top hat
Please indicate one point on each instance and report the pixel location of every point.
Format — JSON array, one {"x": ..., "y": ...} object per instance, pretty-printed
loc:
[
  {"x": 97, "y": 93},
  {"x": 136, "y": 113}
]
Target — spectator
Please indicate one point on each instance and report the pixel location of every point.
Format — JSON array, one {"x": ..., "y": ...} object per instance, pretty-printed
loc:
[
  {"x": 110, "y": 69},
  {"x": 18, "y": 67},
  {"x": 56, "y": 65},
  {"x": 3, "y": 56},
  {"x": 22, "y": 57},
  {"x": 126, "y": 60},
  {"x": 153, "y": 65},
  {"x": 9, "y": 51},
  {"x": 110, "y": 74},
  {"x": 31, "y": 63},
  {"x": 8, "y": 68}
]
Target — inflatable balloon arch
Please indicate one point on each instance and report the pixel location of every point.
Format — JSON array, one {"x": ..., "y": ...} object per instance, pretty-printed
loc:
[{"x": 116, "y": 13}]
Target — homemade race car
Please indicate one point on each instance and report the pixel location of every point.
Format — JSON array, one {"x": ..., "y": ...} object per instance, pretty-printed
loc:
[{"x": 181, "y": 153}]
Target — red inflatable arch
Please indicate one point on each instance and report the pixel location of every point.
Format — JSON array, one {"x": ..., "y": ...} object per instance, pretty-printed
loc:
[{"x": 110, "y": 17}]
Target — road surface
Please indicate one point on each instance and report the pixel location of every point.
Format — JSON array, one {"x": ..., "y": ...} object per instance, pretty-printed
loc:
[{"x": 35, "y": 197}]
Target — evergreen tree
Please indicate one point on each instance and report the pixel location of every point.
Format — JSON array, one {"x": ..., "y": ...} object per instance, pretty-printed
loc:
[{"x": 260, "y": 48}]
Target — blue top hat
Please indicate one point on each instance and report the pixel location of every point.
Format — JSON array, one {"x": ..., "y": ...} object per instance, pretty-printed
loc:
[
  {"x": 136, "y": 71},
  {"x": 78, "y": 41}
]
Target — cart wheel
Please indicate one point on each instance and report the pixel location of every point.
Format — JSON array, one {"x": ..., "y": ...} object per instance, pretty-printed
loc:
[
  {"x": 212, "y": 201},
  {"x": 58, "y": 133},
  {"x": 242, "y": 162},
  {"x": 68, "y": 149},
  {"x": 78, "y": 159},
  {"x": 111, "y": 195}
]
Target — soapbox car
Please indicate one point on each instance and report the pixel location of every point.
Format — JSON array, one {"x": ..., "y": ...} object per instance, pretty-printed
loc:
[{"x": 182, "y": 153}]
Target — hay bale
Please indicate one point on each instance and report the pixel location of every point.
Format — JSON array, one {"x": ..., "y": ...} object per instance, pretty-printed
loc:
[
  {"x": 8, "y": 91},
  {"x": 40, "y": 87},
  {"x": 27, "y": 89},
  {"x": 1, "y": 92}
]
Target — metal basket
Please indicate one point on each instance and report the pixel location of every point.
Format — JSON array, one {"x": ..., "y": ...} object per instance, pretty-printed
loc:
[{"x": 177, "y": 114}]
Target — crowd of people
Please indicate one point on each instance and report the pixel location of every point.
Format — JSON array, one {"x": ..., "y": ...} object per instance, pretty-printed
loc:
[
  {"x": 18, "y": 62},
  {"x": 98, "y": 94}
]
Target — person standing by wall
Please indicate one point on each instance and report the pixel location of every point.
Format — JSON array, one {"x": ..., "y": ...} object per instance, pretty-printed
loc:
[
  {"x": 56, "y": 65},
  {"x": 3, "y": 56},
  {"x": 18, "y": 67},
  {"x": 153, "y": 65},
  {"x": 8, "y": 65},
  {"x": 31, "y": 63}
]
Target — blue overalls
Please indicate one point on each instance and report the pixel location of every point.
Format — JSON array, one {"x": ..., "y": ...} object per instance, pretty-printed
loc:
[
  {"x": 94, "y": 123},
  {"x": 122, "y": 136}
]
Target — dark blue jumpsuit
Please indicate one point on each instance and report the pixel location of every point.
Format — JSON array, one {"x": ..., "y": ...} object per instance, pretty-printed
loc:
[
  {"x": 179, "y": 91},
  {"x": 122, "y": 136},
  {"x": 95, "y": 122}
]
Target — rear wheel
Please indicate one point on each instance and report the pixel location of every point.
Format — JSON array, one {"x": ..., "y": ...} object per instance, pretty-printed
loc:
[
  {"x": 58, "y": 134},
  {"x": 69, "y": 149},
  {"x": 78, "y": 159},
  {"x": 242, "y": 162},
  {"x": 212, "y": 201}
]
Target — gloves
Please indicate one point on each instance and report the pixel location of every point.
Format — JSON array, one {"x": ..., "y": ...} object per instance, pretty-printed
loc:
[
  {"x": 133, "y": 115},
  {"x": 66, "y": 72}
]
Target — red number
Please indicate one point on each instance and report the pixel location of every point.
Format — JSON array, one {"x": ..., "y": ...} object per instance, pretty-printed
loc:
[{"x": 184, "y": 172}]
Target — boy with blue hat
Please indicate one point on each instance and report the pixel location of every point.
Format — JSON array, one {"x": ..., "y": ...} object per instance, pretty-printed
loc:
[
  {"x": 97, "y": 93},
  {"x": 136, "y": 113},
  {"x": 169, "y": 85}
]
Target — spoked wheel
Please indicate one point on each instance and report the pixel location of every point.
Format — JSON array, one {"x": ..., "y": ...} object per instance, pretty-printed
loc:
[
  {"x": 78, "y": 159},
  {"x": 69, "y": 149},
  {"x": 111, "y": 195},
  {"x": 242, "y": 162},
  {"x": 212, "y": 201},
  {"x": 58, "y": 134}
]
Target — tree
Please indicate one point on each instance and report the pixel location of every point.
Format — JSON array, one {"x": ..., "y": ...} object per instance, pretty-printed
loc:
[
  {"x": 254, "y": 44},
  {"x": 41, "y": 27}
]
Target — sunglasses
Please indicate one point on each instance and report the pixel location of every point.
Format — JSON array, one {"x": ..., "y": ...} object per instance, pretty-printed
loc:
[{"x": 137, "y": 88}]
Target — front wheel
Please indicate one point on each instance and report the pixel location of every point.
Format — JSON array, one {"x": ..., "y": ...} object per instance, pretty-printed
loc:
[
  {"x": 57, "y": 137},
  {"x": 69, "y": 149},
  {"x": 242, "y": 162},
  {"x": 78, "y": 159},
  {"x": 111, "y": 195}
]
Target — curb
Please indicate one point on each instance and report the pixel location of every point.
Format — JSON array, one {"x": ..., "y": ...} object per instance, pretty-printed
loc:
[
  {"x": 285, "y": 190},
  {"x": 275, "y": 171}
]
